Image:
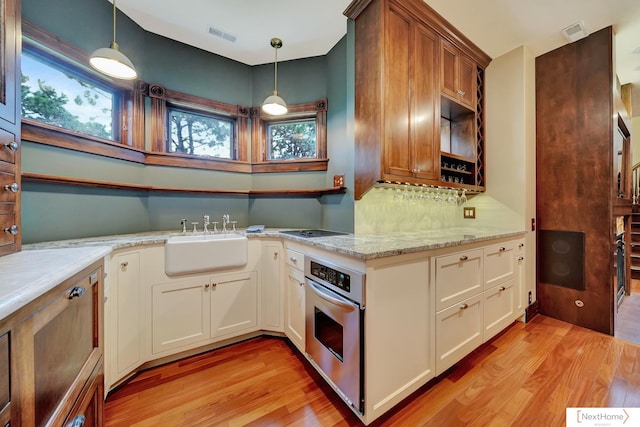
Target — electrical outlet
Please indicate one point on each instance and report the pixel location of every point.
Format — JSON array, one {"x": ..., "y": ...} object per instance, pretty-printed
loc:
[
  {"x": 338, "y": 180},
  {"x": 469, "y": 212}
]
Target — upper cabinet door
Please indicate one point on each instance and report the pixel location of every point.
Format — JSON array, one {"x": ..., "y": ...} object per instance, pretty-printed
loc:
[
  {"x": 10, "y": 43},
  {"x": 458, "y": 75}
]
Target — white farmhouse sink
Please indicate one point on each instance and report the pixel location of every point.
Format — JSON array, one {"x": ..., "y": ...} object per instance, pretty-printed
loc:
[{"x": 204, "y": 252}]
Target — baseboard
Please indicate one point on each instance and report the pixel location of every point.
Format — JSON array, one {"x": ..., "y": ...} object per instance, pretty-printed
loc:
[{"x": 531, "y": 311}]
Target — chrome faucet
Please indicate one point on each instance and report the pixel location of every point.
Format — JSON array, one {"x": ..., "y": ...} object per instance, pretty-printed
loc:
[
  {"x": 183, "y": 223},
  {"x": 206, "y": 223},
  {"x": 225, "y": 221}
]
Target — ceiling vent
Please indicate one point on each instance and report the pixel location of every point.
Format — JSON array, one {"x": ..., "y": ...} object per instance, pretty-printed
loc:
[
  {"x": 222, "y": 34},
  {"x": 575, "y": 32}
]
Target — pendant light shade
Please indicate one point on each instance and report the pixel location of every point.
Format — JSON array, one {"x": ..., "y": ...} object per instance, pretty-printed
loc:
[
  {"x": 274, "y": 104},
  {"x": 112, "y": 62}
]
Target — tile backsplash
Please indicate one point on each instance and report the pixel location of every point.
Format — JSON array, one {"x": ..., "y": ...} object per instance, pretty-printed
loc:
[{"x": 384, "y": 210}]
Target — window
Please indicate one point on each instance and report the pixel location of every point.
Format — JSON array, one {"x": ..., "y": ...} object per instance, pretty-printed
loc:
[
  {"x": 191, "y": 131},
  {"x": 65, "y": 103},
  {"x": 292, "y": 140},
  {"x": 200, "y": 134},
  {"x": 296, "y": 141},
  {"x": 58, "y": 95}
]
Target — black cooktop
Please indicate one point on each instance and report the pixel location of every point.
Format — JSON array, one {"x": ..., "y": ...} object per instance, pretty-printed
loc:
[{"x": 313, "y": 233}]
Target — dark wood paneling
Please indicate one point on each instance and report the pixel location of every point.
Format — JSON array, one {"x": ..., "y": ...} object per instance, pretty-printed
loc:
[{"x": 574, "y": 170}]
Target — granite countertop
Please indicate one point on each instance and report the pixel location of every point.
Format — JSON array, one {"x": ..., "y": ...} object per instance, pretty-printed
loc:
[
  {"x": 28, "y": 274},
  {"x": 41, "y": 266},
  {"x": 362, "y": 246}
]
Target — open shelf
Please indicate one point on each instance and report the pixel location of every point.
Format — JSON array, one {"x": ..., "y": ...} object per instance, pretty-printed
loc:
[{"x": 92, "y": 183}]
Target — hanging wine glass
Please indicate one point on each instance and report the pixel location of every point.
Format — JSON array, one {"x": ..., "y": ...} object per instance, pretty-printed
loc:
[{"x": 463, "y": 198}]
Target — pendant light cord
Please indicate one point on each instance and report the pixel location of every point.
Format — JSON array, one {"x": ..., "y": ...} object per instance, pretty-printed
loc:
[
  {"x": 114, "y": 23},
  {"x": 275, "y": 78}
]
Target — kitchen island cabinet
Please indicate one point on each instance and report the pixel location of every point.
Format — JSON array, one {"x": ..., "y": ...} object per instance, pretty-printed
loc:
[{"x": 51, "y": 345}]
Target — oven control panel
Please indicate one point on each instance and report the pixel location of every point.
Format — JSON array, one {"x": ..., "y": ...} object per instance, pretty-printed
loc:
[{"x": 332, "y": 276}]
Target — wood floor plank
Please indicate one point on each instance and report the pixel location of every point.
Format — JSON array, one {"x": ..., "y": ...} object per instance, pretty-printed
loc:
[{"x": 526, "y": 376}]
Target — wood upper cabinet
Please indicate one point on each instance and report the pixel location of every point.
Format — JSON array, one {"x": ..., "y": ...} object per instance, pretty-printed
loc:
[
  {"x": 401, "y": 100},
  {"x": 410, "y": 145},
  {"x": 10, "y": 46},
  {"x": 458, "y": 75}
]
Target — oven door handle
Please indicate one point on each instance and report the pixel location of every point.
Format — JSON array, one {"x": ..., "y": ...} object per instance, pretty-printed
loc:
[{"x": 321, "y": 293}]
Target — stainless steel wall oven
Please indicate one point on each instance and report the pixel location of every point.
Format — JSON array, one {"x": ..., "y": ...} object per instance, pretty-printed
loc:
[{"x": 335, "y": 305}]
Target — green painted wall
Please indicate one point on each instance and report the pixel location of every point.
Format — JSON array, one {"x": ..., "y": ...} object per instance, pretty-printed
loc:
[{"x": 52, "y": 212}]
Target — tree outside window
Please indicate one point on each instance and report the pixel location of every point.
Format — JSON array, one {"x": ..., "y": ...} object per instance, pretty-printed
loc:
[
  {"x": 53, "y": 94},
  {"x": 292, "y": 140},
  {"x": 200, "y": 134}
]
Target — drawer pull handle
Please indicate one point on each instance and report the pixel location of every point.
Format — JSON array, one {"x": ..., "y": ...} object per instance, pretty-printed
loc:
[
  {"x": 301, "y": 283},
  {"x": 464, "y": 258},
  {"x": 464, "y": 306},
  {"x": 275, "y": 255},
  {"x": 77, "y": 421},
  {"x": 124, "y": 265},
  {"x": 521, "y": 245},
  {"x": 12, "y": 146},
  {"x": 293, "y": 259},
  {"x": 76, "y": 292},
  {"x": 206, "y": 286},
  {"x": 502, "y": 249},
  {"x": 502, "y": 288},
  {"x": 12, "y": 230},
  {"x": 521, "y": 258},
  {"x": 13, "y": 187},
  {"x": 213, "y": 285}
]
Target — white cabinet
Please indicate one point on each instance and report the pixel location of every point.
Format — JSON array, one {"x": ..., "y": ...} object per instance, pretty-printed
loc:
[
  {"x": 295, "y": 308},
  {"x": 499, "y": 264},
  {"x": 458, "y": 331},
  {"x": 234, "y": 304},
  {"x": 499, "y": 308},
  {"x": 479, "y": 292},
  {"x": 295, "y": 326},
  {"x": 180, "y": 314},
  {"x": 457, "y": 277},
  {"x": 125, "y": 301},
  {"x": 271, "y": 294}
]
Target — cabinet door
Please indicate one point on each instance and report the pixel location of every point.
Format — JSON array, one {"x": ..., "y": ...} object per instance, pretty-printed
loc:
[
  {"x": 234, "y": 304},
  {"x": 271, "y": 310},
  {"x": 499, "y": 264},
  {"x": 499, "y": 308},
  {"x": 5, "y": 380},
  {"x": 424, "y": 93},
  {"x": 458, "y": 75},
  {"x": 180, "y": 314},
  {"x": 519, "y": 287},
  {"x": 398, "y": 150},
  {"x": 295, "y": 327},
  {"x": 60, "y": 347},
  {"x": 458, "y": 332},
  {"x": 457, "y": 277},
  {"x": 127, "y": 312},
  {"x": 88, "y": 410}
]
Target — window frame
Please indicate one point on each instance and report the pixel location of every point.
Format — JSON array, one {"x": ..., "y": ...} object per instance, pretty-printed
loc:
[
  {"x": 260, "y": 122},
  {"x": 128, "y": 126},
  {"x": 162, "y": 99}
]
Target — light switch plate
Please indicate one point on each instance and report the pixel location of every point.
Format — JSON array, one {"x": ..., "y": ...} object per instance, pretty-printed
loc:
[{"x": 470, "y": 212}]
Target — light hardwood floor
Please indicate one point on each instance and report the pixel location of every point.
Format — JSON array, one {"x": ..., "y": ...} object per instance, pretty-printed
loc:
[
  {"x": 527, "y": 376},
  {"x": 628, "y": 322}
]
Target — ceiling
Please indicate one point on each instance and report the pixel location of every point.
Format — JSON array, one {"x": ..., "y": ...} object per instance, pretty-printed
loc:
[{"x": 311, "y": 27}]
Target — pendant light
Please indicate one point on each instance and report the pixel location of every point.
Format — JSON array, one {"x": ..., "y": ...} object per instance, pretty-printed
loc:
[
  {"x": 274, "y": 104},
  {"x": 112, "y": 62}
]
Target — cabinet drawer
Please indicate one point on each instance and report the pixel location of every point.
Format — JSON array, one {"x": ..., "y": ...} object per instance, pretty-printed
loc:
[
  {"x": 499, "y": 308},
  {"x": 65, "y": 341},
  {"x": 499, "y": 264},
  {"x": 458, "y": 332},
  {"x": 295, "y": 259},
  {"x": 6, "y": 153},
  {"x": 7, "y": 220},
  {"x": 6, "y": 181},
  {"x": 457, "y": 277}
]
